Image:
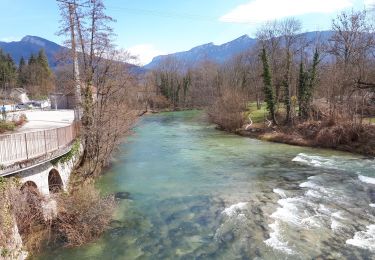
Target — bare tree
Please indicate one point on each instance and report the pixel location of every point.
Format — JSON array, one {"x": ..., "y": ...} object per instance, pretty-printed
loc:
[
  {"x": 108, "y": 112},
  {"x": 290, "y": 30},
  {"x": 351, "y": 45}
]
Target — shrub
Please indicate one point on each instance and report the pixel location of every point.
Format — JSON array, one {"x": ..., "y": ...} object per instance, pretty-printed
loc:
[
  {"x": 21, "y": 120},
  {"x": 339, "y": 134},
  {"x": 7, "y": 126},
  {"x": 228, "y": 110},
  {"x": 159, "y": 102},
  {"x": 82, "y": 216}
]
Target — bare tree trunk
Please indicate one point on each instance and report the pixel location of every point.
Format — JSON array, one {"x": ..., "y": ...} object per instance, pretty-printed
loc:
[{"x": 77, "y": 110}]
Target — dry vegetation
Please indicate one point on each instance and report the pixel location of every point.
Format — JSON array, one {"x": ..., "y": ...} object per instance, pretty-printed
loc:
[
  {"x": 227, "y": 110},
  {"x": 8, "y": 126},
  {"x": 80, "y": 217}
]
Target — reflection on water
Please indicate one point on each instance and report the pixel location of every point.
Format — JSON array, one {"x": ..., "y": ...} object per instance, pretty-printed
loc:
[{"x": 188, "y": 191}]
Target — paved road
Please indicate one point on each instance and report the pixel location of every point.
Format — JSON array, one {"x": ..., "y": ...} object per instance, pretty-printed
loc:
[{"x": 40, "y": 120}]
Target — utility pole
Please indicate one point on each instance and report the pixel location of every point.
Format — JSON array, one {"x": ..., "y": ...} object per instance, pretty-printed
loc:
[{"x": 72, "y": 24}]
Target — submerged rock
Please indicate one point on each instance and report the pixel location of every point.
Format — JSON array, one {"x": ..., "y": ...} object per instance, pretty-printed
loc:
[
  {"x": 116, "y": 224},
  {"x": 122, "y": 195}
]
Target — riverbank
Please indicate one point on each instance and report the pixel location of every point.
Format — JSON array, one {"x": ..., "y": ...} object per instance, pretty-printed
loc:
[
  {"x": 345, "y": 137},
  {"x": 316, "y": 134}
]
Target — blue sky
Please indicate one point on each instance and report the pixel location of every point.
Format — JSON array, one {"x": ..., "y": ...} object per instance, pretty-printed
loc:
[{"x": 152, "y": 27}]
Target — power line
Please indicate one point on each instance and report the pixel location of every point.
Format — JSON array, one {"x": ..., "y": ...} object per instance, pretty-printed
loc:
[
  {"x": 174, "y": 15},
  {"x": 164, "y": 14},
  {"x": 72, "y": 3}
]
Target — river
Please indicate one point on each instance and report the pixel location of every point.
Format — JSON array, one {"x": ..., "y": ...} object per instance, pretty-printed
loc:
[{"x": 192, "y": 192}]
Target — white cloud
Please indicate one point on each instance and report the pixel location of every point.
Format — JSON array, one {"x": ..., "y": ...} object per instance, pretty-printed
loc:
[
  {"x": 9, "y": 39},
  {"x": 369, "y": 3},
  {"x": 145, "y": 52},
  {"x": 265, "y": 10}
]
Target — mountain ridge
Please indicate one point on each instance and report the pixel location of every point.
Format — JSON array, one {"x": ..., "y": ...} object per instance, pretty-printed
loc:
[
  {"x": 31, "y": 45},
  {"x": 208, "y": 51},
  {"x": 223, "y": 52},
  {"x": 196, "y": 55}
]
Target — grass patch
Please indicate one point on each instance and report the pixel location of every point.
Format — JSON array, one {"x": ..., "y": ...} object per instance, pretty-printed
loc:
[
  {"x": 257, "y": 115},
  {"x": 6, "y": 126},
  {"x": 370, "y": 120}
]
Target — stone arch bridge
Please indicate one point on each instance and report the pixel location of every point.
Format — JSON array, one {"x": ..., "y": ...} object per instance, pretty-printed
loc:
[{"x": 28, "y": 156}]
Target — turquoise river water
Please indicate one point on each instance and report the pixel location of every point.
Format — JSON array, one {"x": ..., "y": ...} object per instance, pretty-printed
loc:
[{"x": 189, "y": 191}]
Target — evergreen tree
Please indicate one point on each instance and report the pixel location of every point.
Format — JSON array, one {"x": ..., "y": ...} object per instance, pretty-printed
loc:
[
  {"x": 286, "y": 86},
  {"x": 22, "y": 64},
  {"x": 312, "y": 77},
  {"x": 8, "y": 71},
  {"x": 36, "y": 76},
  {"x": 306, "y": 86},
  {"x": 22, "y": 68},
  {"x": 32, "y": 60},
  {"x": 302, "y": 90},
  {"x": 43, "y": 61},
  {"x": 268, "y": 88}
]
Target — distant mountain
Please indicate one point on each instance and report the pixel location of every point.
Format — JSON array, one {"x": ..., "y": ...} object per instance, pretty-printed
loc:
[
  {"x": 29, "y": 45},
  {"x": 221, "y": 53},
  {"x": 32, "y": 44},
  {"x": 207, "y": 52},
  {"x": 210, "y": 52}
]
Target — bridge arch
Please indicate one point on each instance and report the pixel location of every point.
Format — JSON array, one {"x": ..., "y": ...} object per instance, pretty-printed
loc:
[
  {"x": 31, "y": 187},
  {"x": 55, "y": 183}
]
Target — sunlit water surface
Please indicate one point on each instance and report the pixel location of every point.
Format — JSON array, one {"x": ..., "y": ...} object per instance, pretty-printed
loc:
[{"x": 198, "y": 193}]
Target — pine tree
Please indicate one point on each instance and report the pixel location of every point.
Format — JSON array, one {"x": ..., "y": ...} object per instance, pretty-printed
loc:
[
  {"x": 302, "y": 85},
  {"x": 22, "y": 68},
  {"x": 36, "y": 76},
  {"x": 22, "y": 64},
  {"x": 268, "y": 88},
  {"x": 8, "y": 71},
  {"x": 32, "y": 60},
  {"x": 286, "y": 86},
  {"x": 312, "y": 77},
  {"x": 42, "y": 60},
  {"x": 306, "y": 86}
]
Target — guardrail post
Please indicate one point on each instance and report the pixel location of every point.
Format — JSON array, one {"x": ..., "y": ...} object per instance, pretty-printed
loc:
[
  {"x": 45, "y": 141},
  {"x": 58, "y": 141},
  {"x": 27, "y": 152}
]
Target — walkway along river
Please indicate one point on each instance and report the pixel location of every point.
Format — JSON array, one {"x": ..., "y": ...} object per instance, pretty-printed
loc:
[{"x": 189, "y": 191}]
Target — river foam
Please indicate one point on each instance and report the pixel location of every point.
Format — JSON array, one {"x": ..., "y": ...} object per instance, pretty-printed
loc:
[
  {"x": 318, "y": 206},
  {"x": 276, "y": 240},
  {"x": 314, "y": 160},
  {"x": 280, "y": 192},
  {"x": 366, "y": 179},
  {"x": 364, "y": 239},
  {"x": 235, "y": 210},
  {"x": 359, "y": 166}
]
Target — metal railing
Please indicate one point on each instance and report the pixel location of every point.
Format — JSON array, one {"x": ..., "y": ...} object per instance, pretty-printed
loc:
[{"x": 21, "y": 147}]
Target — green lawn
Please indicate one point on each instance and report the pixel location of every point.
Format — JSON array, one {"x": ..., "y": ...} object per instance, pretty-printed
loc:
[
  {"x": 256, "y": 115},
  {"x": 370, "y": 120}
]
